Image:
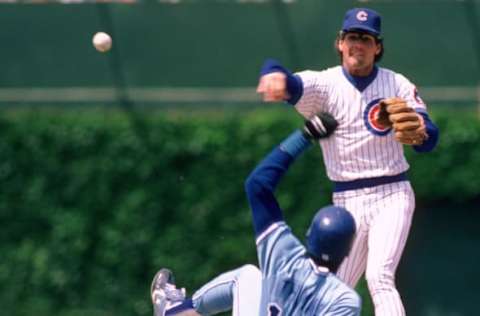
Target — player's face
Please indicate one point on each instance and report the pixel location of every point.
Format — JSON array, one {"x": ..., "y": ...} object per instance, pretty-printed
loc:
[{"x": 358, "y": 53}]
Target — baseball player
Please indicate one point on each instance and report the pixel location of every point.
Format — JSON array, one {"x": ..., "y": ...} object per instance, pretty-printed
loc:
[
  {"x": 294, "y": 280},
  {"x": 378, "y": 111}
]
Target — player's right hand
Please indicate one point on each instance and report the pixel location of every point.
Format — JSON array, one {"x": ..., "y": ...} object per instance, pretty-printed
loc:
[{"x": 273, "y": 87}]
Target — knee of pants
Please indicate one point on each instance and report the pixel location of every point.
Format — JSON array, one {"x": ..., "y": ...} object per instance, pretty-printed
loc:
[{"x": 250, "y": 272}]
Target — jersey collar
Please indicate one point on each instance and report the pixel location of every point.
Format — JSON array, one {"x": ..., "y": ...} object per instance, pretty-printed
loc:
[{"x": 361, "y": 83}]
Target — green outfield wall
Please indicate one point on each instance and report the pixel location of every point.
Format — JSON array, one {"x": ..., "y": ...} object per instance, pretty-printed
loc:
[
  {"x": 93, "y": 202},
  {"x": 223, "y": 43}
]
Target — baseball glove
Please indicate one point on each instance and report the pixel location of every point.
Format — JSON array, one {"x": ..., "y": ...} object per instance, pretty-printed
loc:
[{"x": 408, "y": 125}]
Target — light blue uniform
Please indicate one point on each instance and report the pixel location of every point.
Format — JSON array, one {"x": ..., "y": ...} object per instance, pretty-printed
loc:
[{"x": 292, "y": 283}]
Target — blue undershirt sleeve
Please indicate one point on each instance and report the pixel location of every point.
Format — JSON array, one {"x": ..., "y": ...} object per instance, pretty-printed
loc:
[
  {"x": 261, "y": 183},
  {"x": 294, "y": 82},
  {"x": 432, "y": 132}
]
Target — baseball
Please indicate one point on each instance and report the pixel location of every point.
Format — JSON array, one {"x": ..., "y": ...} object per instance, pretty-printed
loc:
[{"x": 102, "y": 42}]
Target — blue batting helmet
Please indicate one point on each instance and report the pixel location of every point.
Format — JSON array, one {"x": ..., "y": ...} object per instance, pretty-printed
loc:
[{"x": 330, "y": 236}]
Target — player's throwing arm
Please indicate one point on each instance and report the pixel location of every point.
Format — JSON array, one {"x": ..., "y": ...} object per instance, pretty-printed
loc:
[{"x": 273, "y": 87}]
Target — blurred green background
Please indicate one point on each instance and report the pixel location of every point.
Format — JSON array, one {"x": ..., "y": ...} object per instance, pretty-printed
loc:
[{"x": 114, "y": 165}]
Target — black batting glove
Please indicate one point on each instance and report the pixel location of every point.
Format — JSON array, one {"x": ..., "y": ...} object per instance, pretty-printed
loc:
[{"x": 320, "y": 126}]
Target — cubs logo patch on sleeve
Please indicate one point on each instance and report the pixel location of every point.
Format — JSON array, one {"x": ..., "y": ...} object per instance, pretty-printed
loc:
[{"x": 417, "y": 96}]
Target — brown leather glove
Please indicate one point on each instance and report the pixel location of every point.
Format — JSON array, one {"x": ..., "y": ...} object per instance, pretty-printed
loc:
[{"x": 408, "y": 125}]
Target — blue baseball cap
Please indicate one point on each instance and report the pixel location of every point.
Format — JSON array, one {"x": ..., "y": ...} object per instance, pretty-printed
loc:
[{"x": 364, "y": 20}]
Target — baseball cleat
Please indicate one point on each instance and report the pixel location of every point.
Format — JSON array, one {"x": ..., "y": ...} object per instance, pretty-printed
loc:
[{"x": 164, "y": 292}]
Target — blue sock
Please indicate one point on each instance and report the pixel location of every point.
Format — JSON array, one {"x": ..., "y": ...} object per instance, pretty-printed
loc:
[{"x": 185, "y": 305}]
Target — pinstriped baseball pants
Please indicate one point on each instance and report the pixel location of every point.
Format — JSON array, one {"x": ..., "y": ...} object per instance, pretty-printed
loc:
[{"x": 383, "y": 215}]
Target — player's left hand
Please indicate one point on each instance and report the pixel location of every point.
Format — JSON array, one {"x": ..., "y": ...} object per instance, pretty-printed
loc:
[{"x": 408, "y": 125}]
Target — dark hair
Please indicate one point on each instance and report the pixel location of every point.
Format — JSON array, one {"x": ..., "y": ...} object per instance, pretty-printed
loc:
[{"x": 378, "y": 40}]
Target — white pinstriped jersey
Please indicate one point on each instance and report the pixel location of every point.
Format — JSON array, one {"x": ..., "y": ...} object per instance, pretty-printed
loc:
[{"x": 359, "y": 148}]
